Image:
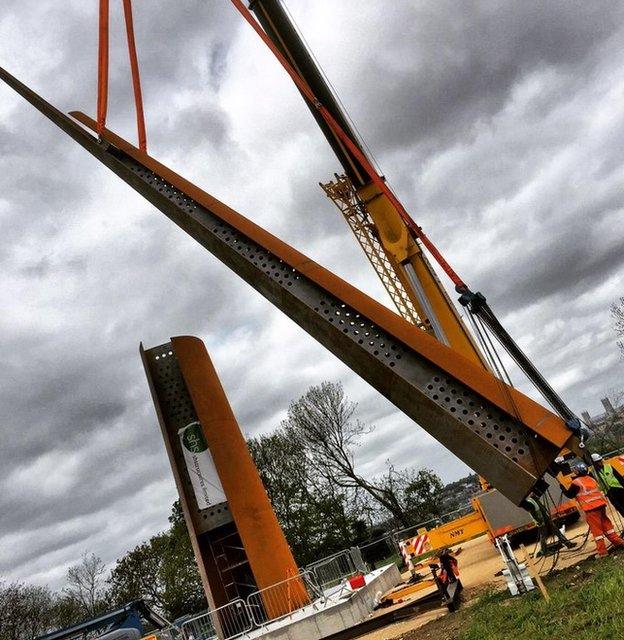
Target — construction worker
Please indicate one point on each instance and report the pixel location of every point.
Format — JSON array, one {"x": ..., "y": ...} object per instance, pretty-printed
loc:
[
  {"x": 591, "y": 500},
  {"x": 610, "y": 481}
]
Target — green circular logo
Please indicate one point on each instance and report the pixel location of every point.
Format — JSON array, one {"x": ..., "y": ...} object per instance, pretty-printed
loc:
[{"x": 193, "y": 438}]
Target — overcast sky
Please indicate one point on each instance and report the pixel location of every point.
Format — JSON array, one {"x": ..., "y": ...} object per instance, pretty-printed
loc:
[{"x": 499, "y": 124}]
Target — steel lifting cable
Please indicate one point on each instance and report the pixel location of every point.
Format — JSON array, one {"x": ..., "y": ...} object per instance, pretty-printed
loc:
[
  {"x": 379, "y": 182},
  {"x": 103, "y": 54},
  {"x": 102, "y": 85},
  {"x": 136, "y": 78}
]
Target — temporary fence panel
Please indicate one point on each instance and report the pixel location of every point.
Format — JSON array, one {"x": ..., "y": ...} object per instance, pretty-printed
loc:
[
  {"x": 335, "y": 570},
  {"x": 232, "y": 619},
  {"x": 284, "y": 598}
]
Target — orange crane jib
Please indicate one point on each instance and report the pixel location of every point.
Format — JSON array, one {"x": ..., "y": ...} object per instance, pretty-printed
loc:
[{"x": 501, "y": 433}]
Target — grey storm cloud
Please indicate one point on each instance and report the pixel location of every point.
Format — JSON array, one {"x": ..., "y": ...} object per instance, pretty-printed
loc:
[
  {"x": 500, "y": 124},
  {"x": 460, "y": 61}
]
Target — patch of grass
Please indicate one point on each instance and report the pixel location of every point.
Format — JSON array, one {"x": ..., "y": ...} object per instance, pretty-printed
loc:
[
  {"x": 587, "y": 603},
  {"x": 395, "y": 558}
]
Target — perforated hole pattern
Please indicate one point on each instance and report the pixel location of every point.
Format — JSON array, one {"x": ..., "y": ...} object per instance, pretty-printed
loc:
[
  {"x": 494, "y": 427},
  {"x": 178, "y": 411}
]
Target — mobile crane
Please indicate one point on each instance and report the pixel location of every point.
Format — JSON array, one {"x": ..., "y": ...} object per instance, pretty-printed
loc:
[
  {"x": 392, "y": 249},
  {"x": 398, "y": 259},
  {"x": 389, "y": 237}
]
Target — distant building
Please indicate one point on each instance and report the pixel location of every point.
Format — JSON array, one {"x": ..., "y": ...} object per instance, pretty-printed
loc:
[
  {"x": 611, "y": 414},
  {"x": 608, "y": 425}
]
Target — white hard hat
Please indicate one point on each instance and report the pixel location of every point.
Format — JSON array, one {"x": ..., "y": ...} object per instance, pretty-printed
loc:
[{"x": 596, "y": 457}]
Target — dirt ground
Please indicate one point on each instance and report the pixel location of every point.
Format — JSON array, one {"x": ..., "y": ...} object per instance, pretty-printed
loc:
[{"x": 479, "y": 562}]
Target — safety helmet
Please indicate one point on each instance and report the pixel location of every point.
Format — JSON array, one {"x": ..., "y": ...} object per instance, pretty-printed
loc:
[
  {"x": 581, "y": 469},
  {"x": 596, "y": 457}
]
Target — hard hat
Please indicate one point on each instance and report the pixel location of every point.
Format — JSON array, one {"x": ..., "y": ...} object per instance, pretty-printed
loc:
[
  {"x": 581, "y": 469},
  {"x": 596, "y": 457}
]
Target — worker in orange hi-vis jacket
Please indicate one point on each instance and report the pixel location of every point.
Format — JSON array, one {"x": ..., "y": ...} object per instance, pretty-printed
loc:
[{"x": 593, "y": 503}]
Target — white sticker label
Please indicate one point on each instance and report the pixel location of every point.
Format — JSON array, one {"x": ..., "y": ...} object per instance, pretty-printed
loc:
[{"x": 201, "y": 467}]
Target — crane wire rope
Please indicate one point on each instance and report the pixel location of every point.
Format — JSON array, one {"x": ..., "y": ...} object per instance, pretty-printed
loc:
[{"x": 333, "y": 91}]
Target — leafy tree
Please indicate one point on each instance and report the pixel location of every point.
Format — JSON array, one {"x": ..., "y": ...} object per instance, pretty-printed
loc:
[
  {"x": 65, "y": 612},
  {"x": 317, "y": 516},
  {"x": 162, "y": 571},
  {"x": 25, "y": 611},
  {"x": 421, "y": 493}
]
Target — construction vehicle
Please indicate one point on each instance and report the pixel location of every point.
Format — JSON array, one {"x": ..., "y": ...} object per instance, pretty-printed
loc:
[
  {"x": 398, "y": 259},
  {"x": 492, "y": 515},
  {"x": 123, "y": 623}
]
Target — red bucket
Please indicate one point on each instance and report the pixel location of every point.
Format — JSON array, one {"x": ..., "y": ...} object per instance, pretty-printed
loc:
[{"x": 357, "y": 582}]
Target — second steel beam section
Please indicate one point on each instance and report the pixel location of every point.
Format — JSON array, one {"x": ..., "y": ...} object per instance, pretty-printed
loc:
[{"x": 499, "y": 432}]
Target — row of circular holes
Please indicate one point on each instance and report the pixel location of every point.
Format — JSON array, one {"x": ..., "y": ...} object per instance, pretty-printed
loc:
[
  {"x": 356, "y": 321},
  {"x": 266, "y": 263},
  {"x": 175, "y": 410},
  {"x": 285, "y": 268},
  {"x": 175, "y": 413},
  {"x": 180, "y": 408},
  {"x": 169, "y": 190},
  {"x": 475, "y": 413},
  {"x": 189, "y": 483},
  {"x": 212, "y": 513}
]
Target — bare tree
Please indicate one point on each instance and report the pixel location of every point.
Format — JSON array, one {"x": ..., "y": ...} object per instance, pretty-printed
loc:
[
  {"x": 322, "y": 421},
  {"x": 85, "y": 583},
  {"x": 617, "y": 315}
]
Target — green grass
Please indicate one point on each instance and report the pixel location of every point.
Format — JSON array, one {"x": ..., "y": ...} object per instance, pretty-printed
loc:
[
  {"x": 586, "y": 604},
  {"x": 395, "y": 558}
]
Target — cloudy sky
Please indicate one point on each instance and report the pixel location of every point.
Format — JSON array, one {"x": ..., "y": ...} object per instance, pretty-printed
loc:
[{"x": 499, "y": 124}]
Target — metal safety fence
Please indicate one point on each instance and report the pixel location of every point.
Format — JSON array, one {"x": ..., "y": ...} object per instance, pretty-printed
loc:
[
  {"x": 232, "y": 620},
  {"x": 338, "y": 568},
  {"x": 285, "y": 598},
  {"x": 168, "y": 633}
]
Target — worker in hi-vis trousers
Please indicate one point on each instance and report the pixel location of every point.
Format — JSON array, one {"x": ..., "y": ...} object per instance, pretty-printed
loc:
[
  {"x": 592, "y": 501},
  {"x": 610, "y": 481}
]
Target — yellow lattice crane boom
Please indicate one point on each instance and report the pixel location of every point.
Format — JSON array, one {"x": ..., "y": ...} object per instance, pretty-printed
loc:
[{"x": 392, "y": 249}]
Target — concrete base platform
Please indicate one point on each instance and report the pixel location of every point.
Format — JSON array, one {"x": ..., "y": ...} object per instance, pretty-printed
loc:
[{"x": 341, "y": 610}]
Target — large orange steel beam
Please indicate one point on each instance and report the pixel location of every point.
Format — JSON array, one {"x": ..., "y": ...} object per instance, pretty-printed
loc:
[{"x": 502, "y": 434}]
